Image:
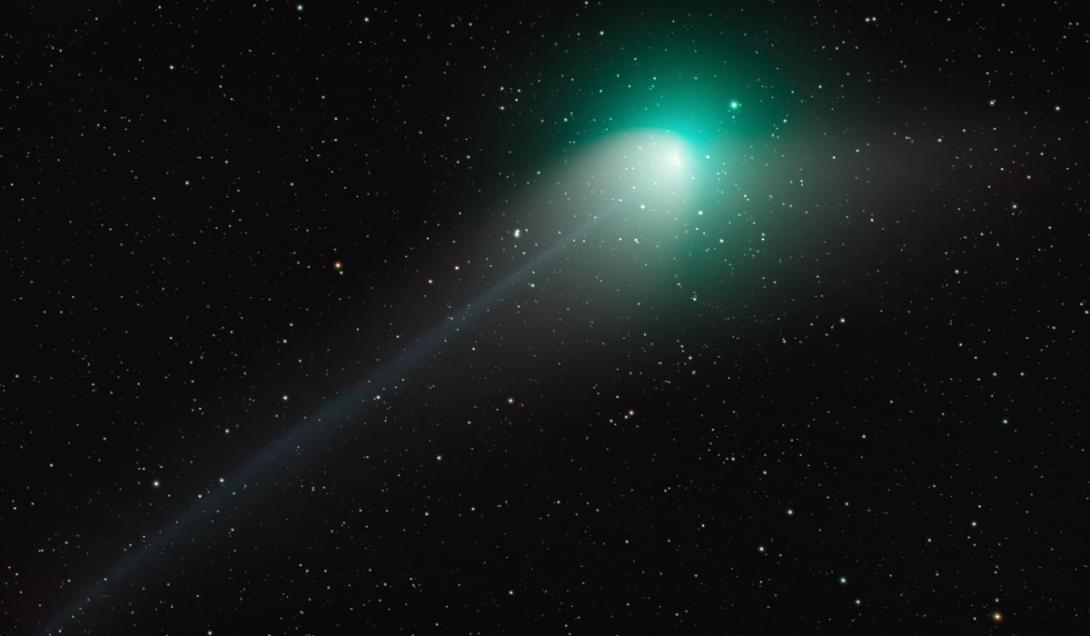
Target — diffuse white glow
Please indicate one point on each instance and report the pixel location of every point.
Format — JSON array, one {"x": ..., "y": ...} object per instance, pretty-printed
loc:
[
  {"x": 648, "y": 173},
  {"x": 650, "y": 169}
]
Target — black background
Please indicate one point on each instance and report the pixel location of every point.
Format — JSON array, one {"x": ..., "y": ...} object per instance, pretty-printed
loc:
[{"x": 179, "y": 180}]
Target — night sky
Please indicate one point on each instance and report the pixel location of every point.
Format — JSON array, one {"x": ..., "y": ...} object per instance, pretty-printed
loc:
[{"x": 546, "y": 318}]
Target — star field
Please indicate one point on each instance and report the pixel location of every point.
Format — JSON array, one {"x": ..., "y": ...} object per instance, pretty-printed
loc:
[{"x": 742, "y": 318}]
